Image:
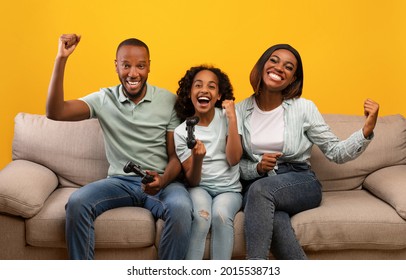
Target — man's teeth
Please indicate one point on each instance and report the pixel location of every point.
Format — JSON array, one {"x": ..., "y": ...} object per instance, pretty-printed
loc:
[
  {"x": 275, "y": 77},
  {"x": 132, "y": 83}
]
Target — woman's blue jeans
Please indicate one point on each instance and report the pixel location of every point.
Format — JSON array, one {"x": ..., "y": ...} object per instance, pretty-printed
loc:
[
  {"x": 172, "y": 204},
  {"x": 218, "y": 212},
  {"x": 270, "y": 203}
]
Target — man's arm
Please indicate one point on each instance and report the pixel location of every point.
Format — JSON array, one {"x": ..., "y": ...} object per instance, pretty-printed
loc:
[
  {"x": 57, "y": 108},
  {"x": 172, "y": 169}
]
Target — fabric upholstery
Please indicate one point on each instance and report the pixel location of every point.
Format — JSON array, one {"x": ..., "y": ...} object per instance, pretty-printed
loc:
[
  {"x": 389, "y": 184},
  {"x": 350, "y": 220},
  {"x": 24, "y": 187},
  {"x": 126, "y": 227},
  {"x": 361, "y": 215},
  {"x": 387, "y": 148},
  {"x": 74, "y": 151}
]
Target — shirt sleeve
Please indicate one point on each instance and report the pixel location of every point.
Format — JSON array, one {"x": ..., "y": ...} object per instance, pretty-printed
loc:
[
  {"x": 248, "y": 169},
  {"x": 333, "y": 148},
  {"x": 174, "y": 121},
  {"x": 94, "y": 101},
  {"x": 182, "y": 151}
]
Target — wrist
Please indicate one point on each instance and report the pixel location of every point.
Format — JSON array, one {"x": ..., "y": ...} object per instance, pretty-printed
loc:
[
  {"x": 366, "y": 132},
  {"x": 232, "y": 118},
  {"x": 259, "y": 169}
]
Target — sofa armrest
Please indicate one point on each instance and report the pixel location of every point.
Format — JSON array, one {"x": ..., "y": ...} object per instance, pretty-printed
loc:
[
  {"x": 389, "y": 184},
  {"x": 24, "y": 187}
]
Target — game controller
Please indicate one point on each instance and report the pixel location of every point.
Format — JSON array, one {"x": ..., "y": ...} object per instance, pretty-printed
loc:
[
  {"x": 190, "y": 128},
  {"x": 132, "y": 167}
]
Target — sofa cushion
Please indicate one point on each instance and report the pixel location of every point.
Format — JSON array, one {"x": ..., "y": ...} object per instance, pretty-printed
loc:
[
  {"x": 239, "y": 251},
  {"x": 73, "y": 150},
  {"x": 125, "y": 227},
  {"x": 389, "y": 184},
  {"x": 24, "y": 187},
  {"x": 390, "y": 131},
  {"x": 350, "y": 220}
]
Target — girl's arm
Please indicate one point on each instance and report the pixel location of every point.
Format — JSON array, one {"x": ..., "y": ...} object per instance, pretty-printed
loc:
[
  {"x": 233, "y": 146},
  {"x": 193, "y": 165}
]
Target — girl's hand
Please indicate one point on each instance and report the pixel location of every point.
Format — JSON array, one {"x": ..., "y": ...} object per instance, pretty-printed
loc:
[
  {"x": 229, "y": 108},
  {"x": 199, "y": 150}
]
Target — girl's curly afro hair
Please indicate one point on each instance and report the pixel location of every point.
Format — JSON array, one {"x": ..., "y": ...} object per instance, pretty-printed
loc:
[{"x": 184, "y": 107}]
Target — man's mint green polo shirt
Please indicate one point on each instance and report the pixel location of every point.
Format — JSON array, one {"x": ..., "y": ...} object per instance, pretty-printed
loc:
[{"x": 134, "y": 132}]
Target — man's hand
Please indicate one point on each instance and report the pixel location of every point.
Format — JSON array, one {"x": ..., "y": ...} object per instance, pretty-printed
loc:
[
  {"x": 371, "y": 109},
  {"x": 67, "y": 44},
  {"x": 268, "y": 162},
  {"x": 155, "y": 186}
]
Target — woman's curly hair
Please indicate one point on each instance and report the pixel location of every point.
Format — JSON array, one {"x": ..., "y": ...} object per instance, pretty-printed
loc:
[{"x": 184, "y": 107}]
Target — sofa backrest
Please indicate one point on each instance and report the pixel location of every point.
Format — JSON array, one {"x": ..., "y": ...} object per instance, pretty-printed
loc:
[
  {"x": 388, "y": 148},
  {"x": 73, "y": 150}
]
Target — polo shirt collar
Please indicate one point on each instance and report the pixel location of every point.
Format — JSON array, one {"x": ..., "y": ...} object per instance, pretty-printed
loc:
[{"x": 123, "y": 98}]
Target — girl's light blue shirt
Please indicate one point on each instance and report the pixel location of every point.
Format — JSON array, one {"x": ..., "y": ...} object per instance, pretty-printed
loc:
[{"x": 217, "y": 175}]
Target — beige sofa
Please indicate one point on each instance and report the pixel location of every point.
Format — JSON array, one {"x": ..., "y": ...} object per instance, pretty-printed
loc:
[{"x": 362, "y": 214}]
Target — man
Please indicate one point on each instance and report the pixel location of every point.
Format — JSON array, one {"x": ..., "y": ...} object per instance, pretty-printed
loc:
[{"x": 138, "y": 121}]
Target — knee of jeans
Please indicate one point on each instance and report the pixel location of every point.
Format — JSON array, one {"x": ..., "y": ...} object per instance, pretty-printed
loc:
[
  {"x": 220, "y": 218},
  {"x": 202, "y": 220},
  {"x": 74, "y": 201},
  {"x": 180, "y": 206},
  {"x": 254, "y": 191},
  {"x": 178, "y": 200},
  {"x": 281, "y": 220},
  {"x": 74, "y": 209},
  {"x": 179, "y": 210},
  {"x": 202, "y": 214}
]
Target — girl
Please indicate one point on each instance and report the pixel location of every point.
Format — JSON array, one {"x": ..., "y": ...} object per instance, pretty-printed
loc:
[{"x": 211, "y": 166}]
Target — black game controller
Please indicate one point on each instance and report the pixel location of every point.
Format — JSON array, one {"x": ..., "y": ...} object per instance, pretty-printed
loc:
[
  {"x": 190, "y": 128},
  {"x": 132, "y": 167}
]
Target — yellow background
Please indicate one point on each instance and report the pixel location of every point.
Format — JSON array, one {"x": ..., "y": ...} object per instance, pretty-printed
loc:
[{"x": 351, "y": 49}]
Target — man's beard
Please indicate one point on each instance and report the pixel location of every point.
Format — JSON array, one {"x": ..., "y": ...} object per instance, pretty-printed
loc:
[{"x": 136, "y": 95}]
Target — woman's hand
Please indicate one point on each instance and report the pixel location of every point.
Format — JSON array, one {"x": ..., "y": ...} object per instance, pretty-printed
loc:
[
  {"x": 371, "y": 109},
  {"x": 267, "y": 162}
]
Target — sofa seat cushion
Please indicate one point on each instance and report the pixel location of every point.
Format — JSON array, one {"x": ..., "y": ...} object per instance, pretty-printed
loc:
[
  {"x": 350, "y": 220},
  {"x": 126, "y": 227}
]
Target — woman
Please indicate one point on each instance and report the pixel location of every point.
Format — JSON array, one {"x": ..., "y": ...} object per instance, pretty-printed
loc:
[{"x": 279, "y": 129}]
